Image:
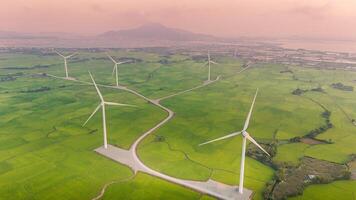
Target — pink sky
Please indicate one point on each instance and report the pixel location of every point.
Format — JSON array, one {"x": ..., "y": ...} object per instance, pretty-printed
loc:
[{"x": 271, "y": 18}]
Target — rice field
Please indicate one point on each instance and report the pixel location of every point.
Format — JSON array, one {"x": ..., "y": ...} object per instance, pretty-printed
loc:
[{"x": 45, "y": 153}]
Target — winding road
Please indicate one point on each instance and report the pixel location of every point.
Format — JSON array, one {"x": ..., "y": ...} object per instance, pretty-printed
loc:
[{"x": 131, "y": 158}]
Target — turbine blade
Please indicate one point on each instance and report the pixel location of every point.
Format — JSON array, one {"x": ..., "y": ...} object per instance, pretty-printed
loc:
[
  {"x": 113, "y": 70},
  {"x": 123, "y": 62},
  {"x": 118, "y": 104},
  {"x": 250, "y": 112},
  {"x": 59, "y": 53},
  {"x": 254, "y": 142},
  {"x": 96, "y": 110},
  {"x": 221, "y": 138},
  {"x": 214, "y": 62},
  {"x": 205, "y": 64},
  {"x": 96, "y": 87},
  {"x": 111, "y": 58},
  {"x": 73, "y": 54}
]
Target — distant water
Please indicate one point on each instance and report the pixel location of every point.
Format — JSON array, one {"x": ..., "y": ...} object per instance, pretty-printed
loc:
[{"x": 336, "y": 46}]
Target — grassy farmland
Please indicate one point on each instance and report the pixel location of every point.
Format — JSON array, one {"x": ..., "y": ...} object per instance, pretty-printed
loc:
[{"x": 45, "y": 153}]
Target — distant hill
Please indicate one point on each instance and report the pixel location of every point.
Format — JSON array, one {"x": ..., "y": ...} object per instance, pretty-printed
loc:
[
  {"x": 155, "y": 31},
  {"x": 148, "y": 35}
]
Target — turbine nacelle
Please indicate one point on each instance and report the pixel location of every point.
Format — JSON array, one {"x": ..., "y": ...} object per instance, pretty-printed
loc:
[{"x": 244, "y": 133}]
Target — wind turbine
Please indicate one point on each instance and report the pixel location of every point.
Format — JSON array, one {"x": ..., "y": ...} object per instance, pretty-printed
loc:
[
  {"x": 102, "y": 106},
  {"x": 65, "y": 61},
  {"x": 245, "y": 136},
  {"x": 209, "y": 62},
  {"x": 115, "y": 69}
]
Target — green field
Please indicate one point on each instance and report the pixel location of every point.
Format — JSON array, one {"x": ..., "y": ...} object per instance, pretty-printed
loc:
[
  {"x": 146, "y": 187},
  {"x": 45, "y": 153}
]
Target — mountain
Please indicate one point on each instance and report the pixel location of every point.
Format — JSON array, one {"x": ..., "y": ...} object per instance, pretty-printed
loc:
[
  {"x": 148, "y": 35},
  {"x": 155, "y": 31}
]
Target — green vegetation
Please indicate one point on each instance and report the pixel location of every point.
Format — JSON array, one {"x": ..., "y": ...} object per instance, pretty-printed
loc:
[
  {"x": 45, "y": 153},
  {"x": 290, "y": 153},
  {"x": 291, "y": 181},
  {"x": 340, "y": 190},
  {"x": 146, "y": 187},
  {"x": 343, "y": 87}
]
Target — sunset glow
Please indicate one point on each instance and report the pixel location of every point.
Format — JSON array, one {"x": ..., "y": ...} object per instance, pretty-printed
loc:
[{"x": 255, "y": 18}]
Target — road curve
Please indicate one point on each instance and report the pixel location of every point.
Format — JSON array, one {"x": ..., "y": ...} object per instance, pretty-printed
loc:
[{"x": 134, "y": 146}]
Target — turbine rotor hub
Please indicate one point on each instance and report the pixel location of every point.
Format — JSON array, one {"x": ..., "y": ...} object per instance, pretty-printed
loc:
[{"x": 244, "y": 133}]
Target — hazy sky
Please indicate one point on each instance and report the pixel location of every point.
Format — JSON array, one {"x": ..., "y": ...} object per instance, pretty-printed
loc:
[{"x": 272, "y": 18}]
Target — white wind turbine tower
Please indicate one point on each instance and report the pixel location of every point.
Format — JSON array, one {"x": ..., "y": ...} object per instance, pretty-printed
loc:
[
  {"x": 102, "y": 106},
  {"x": 209, "y": 62},
  {"x": 115, "y": 69},
  {"x": 245, "y": 136},
  {"x": 65, "y": 61}
]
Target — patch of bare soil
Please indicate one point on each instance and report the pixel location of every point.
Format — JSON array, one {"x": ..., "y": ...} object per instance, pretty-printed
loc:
[
  {"x": 310, "y": 141},
  {"x": 352, "y": 167}
]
